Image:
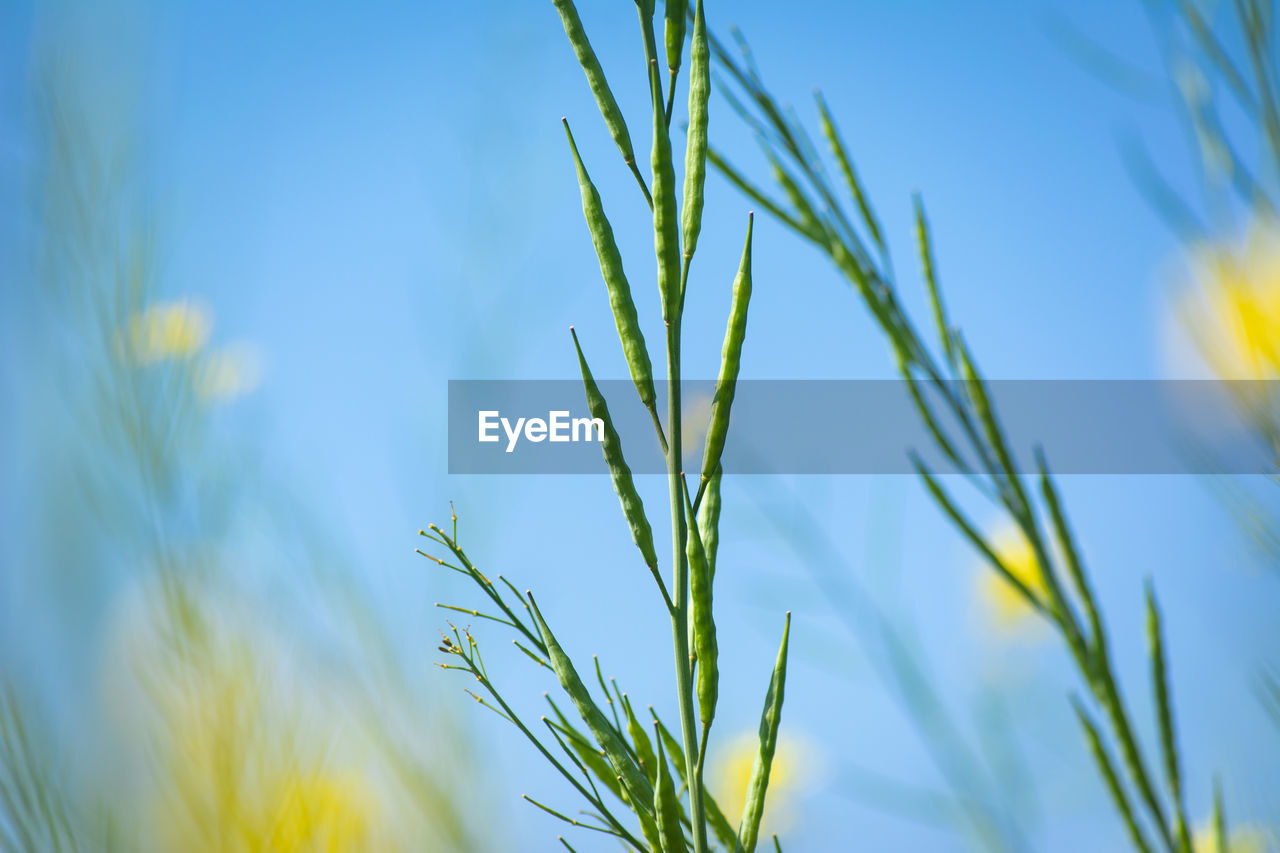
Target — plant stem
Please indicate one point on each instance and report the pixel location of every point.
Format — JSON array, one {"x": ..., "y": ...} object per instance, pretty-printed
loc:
[{"x": 680, "y": 589}]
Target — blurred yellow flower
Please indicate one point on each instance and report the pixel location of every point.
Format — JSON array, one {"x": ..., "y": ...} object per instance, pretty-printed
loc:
[
  {"x": 1242, "y": 839},
  {"x": 240, "y": 771},
  {"x": 1005, "y": 605},
  {"x": 246, "y": 752},
  {"x": 229, "y": 372},
  {"x": 1234, "y": 315},
  {"x": 168, "y": 330},
  {"x": 733, "y": 775}
]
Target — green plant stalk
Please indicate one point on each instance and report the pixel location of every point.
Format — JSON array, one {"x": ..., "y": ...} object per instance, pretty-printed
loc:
[{"x": 680, "y": 591}]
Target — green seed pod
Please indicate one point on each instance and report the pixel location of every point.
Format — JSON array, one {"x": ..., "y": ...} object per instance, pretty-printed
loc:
[
  {"x": 704, "y": 626},
  {"x": 636, "y": 783},
  {"x": 666, "y": 807},
  {"x": 640, "y": 738},
  {"x": 730, "y": 360},
  {"x": 624, "y": 308},
  {"x": 595, "y": 78},
  {"x": 674, "y": 31},
  {"x": 695, "y": 157},
  {"x": 715, "y": 815},
  {"x": 666, "y": 236},
  {"x": 632, "y": 506},
  {"x": 850, "y": 176},
  {"x": 753, "y": 809},
  {"x": 709, "y": 520}
]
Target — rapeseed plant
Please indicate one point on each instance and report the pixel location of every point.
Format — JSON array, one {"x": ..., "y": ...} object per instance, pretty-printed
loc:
[
  {"x": 943, "y": 376},
  {"x": 639, "y": 765}
]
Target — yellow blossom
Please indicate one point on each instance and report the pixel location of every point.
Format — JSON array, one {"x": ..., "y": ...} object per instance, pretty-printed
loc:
[
  {"x": 1005, "y": 604},
  {"x": 1233, "y": 316},
  {"x": 1242, "y": 839},
  {"x": 228, "y": 372},
  {"x": 168, "y": 330},
  {"x": 246, "y": 754}
]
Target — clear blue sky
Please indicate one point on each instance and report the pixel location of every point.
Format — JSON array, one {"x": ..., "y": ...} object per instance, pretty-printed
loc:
[{"x": 380, "y": 197}]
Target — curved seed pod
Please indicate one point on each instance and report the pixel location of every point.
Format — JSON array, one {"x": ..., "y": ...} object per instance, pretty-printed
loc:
[
  {"x": 624, "y": 308},
  {"x": 666, "y": 236},
  {"x": 595, "y": 78},
  {"x": 715, "y": 816},
  {"x": 636, "y": 783},
  {"x": 753, "y": 809},
  {"x": 640, "y": 738},
  {"x": 666, "y": 807},
  {"x": 709, "y": 519},
  {"x": 730, "y": 360},
  {"x": 632, "y": 506},
  {"x": 704, "y": 626},
  {"x": 695, "y": 155}
]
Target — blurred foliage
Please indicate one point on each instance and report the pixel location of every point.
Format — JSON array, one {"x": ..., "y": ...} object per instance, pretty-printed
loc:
[{"x": 208, "y": 672}]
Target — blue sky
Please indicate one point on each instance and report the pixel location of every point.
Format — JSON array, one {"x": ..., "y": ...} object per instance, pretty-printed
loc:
[{"x": 380, "y": 198}]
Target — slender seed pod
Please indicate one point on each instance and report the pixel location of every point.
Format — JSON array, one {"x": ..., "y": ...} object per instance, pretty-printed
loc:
[
  {"x": 675, "y": 14},
  {"x": 666, "y": 225},
  {"x": 709, "y": 520},
  {"x": 640, "y": 738},
  {"x": 1107, "y": 767},
  {"x": 730, "y": 360},
  {"x": 846, "y": 168},
  {"x": 632, "y": 506},
  {"x": 605, "y": 101},
  {"x": 770, "y": 719},
  {"x": 666, "y": 807},
  {"x": 624, "y": 308},
  {"x": 715, "y": 815},
  {"x": 636, "y": 783},
  {"x": 704, "y": 626},
  {"x": 695, "y": 157},
  {"x": 1164, "y": 718},
  {"x": 929, "y": 268},
  {"x": 1219, "y": 817}
]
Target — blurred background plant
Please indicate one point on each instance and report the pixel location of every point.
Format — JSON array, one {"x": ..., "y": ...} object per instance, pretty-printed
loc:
[
  {"x": 1036, "y": 563},
  {"x": 191, "y": 663},
  {"x": 1220, "y": 64}
]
